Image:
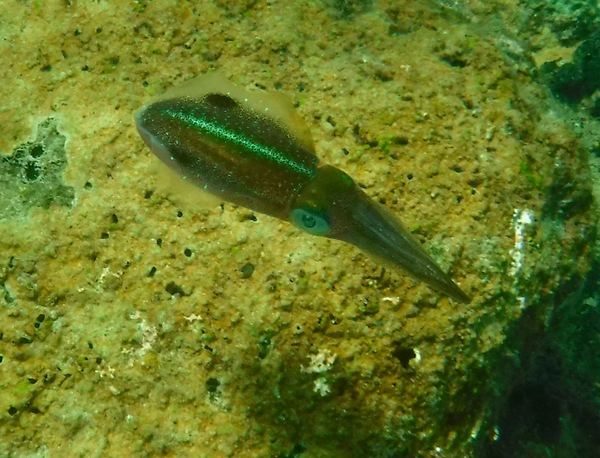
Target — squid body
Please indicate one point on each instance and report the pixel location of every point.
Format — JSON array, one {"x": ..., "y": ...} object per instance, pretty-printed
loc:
[{"x": 255, "y": 151}]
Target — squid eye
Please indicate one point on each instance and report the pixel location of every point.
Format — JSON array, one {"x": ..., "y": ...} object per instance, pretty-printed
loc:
[{"x": 310, "y": 221}]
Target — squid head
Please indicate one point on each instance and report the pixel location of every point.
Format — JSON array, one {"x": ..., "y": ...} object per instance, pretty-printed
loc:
[{"x": 333, "y": 205}]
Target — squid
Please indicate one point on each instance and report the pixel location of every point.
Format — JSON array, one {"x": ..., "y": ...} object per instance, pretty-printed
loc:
[{"x": 254, "y": 150}]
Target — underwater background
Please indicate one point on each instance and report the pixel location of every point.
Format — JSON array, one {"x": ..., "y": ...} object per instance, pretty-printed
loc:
[{"x": 138, "y": 318}]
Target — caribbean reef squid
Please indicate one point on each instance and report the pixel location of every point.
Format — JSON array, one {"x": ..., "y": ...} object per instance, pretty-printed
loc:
[{"x": 254, "y": 150}]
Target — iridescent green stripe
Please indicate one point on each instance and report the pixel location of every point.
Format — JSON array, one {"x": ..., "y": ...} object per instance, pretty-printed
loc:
[{"x": 241, "y": 141}]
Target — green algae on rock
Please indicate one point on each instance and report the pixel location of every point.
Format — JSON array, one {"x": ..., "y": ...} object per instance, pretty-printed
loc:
[{"x": 32, "y": 175}]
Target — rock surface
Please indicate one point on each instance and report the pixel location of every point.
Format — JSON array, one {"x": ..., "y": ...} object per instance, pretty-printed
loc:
[{"x": 137, "y": 322}]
